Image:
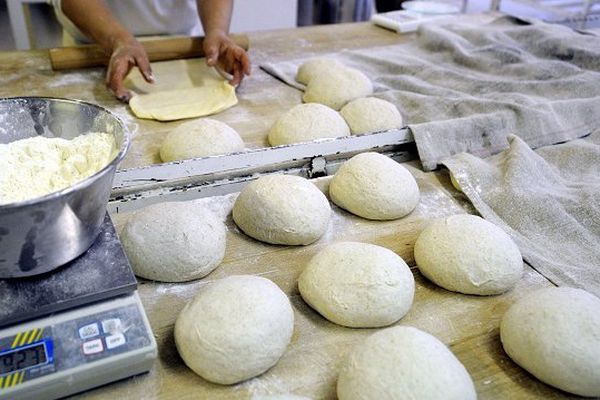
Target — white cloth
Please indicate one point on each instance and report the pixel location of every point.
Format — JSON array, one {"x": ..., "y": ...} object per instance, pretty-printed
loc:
[
  {"x": 144, "y": 17},
  {"x": 547, "y": 200},
  {"x": 465, "y": 87}
]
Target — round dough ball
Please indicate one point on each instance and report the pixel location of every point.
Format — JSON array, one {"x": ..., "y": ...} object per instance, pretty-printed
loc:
[
  {"x": 200, "y": 138},
  {"x": 370, "y": 114},
  {"x": 174, "y": 242},
  {"x": 554, "y": 333},
  {"x": 467, "y": 254},
  {"x": 374, "y": 186},
  {"x": 335, "y": 88},
  {"x": 403, "y": 363},
  {"x": 282, "y": 209},
  {"x": 306, "y": 122},
  {"x": 234, "y": 329},
  {"x": 358, "y": 285},
  {"x": 316, "y": 67}
]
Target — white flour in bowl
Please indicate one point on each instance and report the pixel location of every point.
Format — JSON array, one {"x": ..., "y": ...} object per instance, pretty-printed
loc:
[{"x": 38, "y": 166}]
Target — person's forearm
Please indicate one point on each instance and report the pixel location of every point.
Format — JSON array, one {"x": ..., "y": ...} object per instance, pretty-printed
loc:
[
  {"x": 95, "y": 20},
  {"x": 220, "y": 50},
  {"x": 215, "y": 15}
]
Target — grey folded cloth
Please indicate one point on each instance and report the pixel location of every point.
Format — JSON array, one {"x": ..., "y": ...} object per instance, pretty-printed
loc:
[
  {"x": 465, "y": 88},
  {"x": 547, "y": 200}
]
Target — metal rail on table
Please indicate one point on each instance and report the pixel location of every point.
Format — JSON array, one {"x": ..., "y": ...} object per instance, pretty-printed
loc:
[{"x": 218, "y": 175}]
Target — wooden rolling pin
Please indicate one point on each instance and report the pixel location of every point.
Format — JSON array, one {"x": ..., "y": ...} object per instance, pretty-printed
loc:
[{"x": 91, "y": 55}]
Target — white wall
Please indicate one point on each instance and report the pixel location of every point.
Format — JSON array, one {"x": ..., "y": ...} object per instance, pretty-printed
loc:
[{"x": 260, "y": 15}]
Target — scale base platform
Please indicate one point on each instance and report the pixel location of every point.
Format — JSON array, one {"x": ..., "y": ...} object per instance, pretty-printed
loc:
[
  {"x": 100, "y": 273},
  {"x": 75, "y": 328}
]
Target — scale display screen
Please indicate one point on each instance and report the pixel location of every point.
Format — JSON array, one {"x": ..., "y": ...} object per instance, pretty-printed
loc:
[{"x": 21, "y": 358}]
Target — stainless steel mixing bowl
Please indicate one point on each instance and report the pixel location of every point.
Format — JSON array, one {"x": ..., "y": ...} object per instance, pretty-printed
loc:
[{"x": 41, "y": 234}]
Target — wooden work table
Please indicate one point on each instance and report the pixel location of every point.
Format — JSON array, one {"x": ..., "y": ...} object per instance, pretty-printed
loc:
[
  {"x": 467, "y": 324},
  {"x": 262, "y": 98}
]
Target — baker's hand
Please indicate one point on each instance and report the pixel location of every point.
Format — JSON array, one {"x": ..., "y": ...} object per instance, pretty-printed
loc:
[
  {"x": 126, "y": 54},
  {"x": 222, "y": 52}
]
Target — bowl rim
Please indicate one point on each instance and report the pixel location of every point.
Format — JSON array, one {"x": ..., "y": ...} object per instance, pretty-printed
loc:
[{"x": 87, "y": 181}]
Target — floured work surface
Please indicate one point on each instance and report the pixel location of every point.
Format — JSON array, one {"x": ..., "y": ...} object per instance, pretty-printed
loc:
[
  {"x": 309, "y": 367},
  {"x": 182, "y": 89},
  {"x": 468, "y": 324},
  {"x": 262, "y": 98}
]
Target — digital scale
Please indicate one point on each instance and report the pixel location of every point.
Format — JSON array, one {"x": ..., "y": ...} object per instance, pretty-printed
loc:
[
  {"x": 414, "y": 14},
  {"x": 75, "y": 328}
]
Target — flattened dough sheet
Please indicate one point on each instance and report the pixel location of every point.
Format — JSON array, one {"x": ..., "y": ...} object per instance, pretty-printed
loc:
[{"x": 182, "y": 89}]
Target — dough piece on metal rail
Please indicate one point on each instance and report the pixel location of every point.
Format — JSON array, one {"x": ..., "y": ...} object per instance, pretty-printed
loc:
[
  {"x": 306, "y": 122},
  {"x": 315, "y": 67},
  {"x": 370, "y": 114},
  {"x": 374, "y": 186},
  {"x": 282, "y": 209},
  {"x": 200, "y": 138},
  {"x": 336, "y": 87},
  {"x": 182, "y": 89}
]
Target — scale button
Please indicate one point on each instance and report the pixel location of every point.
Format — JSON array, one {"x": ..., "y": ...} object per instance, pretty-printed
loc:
[
  {"x": 93, "y": 347},
  {"x": 112, "y": 325},
  {"x": 113, "y": 341},
  {"x": 89, "y": 331}
]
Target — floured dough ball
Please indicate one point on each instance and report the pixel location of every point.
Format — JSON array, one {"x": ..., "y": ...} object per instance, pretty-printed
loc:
[
  {"x": 374, "y": 186},
  {"x": 336, "y": 87},
  {"x": 467, "y": 254},
  {"x": 554, "y": 333},
  {"x": 174, "y": 242},
  {"x": 403, "y": 363},
  {"x": 306, "y": 122},
  {"x": 358, "y": 285},
  {"x": 234, "y": 329},
  {"x": 200, "y": 138},
  {"x": 315, "y": 67},
  {"x": 370, "y": 114},
  {"x": 282, "y": 209}
]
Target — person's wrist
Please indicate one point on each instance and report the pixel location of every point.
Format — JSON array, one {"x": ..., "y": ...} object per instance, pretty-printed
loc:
[
  {"x": 216, "y": 33},
  {"x": 120, "y": 39}
]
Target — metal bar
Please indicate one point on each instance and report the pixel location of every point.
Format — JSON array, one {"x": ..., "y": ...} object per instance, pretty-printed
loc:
[
  {"x": 253, "y": 159},
  {"x": 124, "y": 200}
]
